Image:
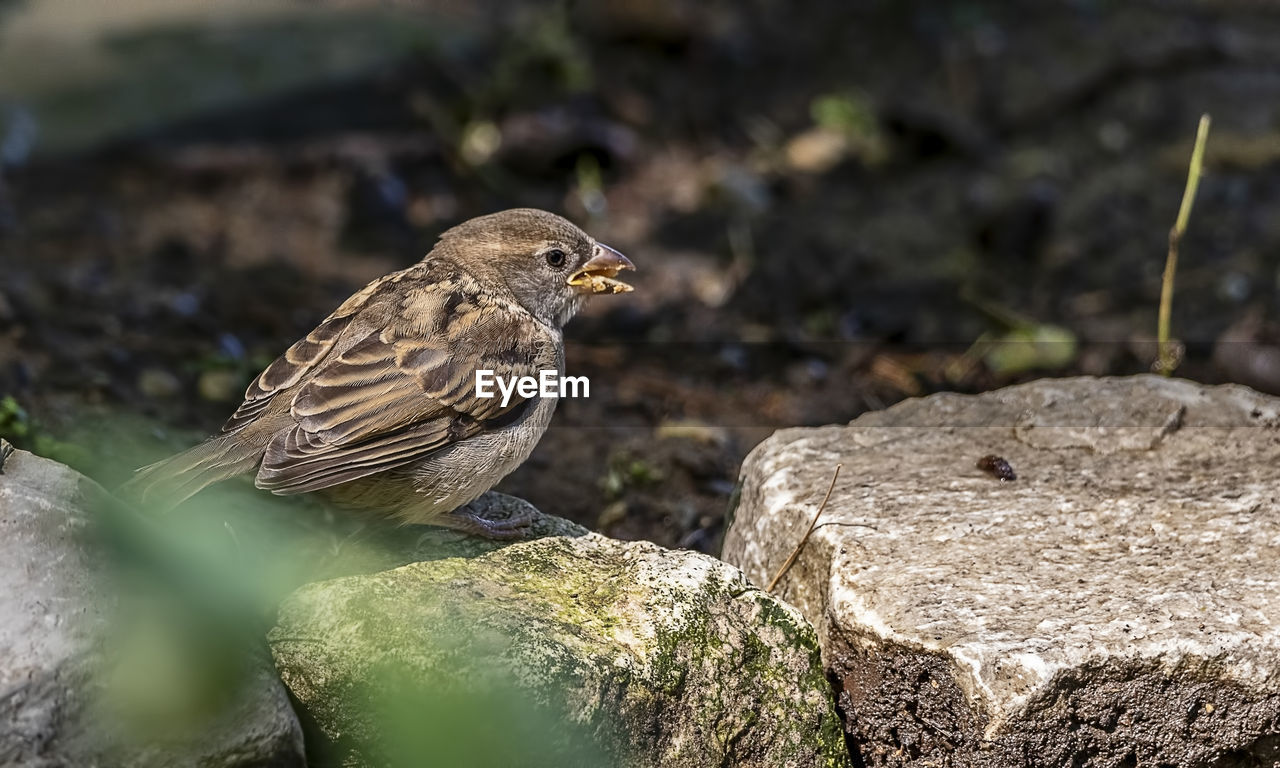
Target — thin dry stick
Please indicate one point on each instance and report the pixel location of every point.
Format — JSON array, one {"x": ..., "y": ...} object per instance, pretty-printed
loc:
[
  {"x": 1168, "y": 350},
  {"x": 796, "y": 552}
]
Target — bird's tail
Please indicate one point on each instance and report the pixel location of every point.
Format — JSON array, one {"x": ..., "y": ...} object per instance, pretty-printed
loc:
[{"x": 168, "y": 483}]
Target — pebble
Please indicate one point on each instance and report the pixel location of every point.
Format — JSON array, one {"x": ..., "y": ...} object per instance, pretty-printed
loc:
[
  {"x": 816, "y": 150},
  {"x": 220, "y": 386},
  {"x": 158, "y": 383},
  {"x": 611, "y": 515}
]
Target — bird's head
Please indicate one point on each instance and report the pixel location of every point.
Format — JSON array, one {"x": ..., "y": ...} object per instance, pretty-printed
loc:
[{"x": 549, "y": 265}]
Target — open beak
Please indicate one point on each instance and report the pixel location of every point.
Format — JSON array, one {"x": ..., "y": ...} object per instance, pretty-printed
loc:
[{"x": 597, "y": 275}]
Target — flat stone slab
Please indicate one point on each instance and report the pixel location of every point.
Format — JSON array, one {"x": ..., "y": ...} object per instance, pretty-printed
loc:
[
  {"x": 568, "y": 650},
  {"x": 1117, "y": 604}
]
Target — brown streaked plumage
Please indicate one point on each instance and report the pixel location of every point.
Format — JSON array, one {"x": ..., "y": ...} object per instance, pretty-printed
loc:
[{"x": 377, "y": 408}]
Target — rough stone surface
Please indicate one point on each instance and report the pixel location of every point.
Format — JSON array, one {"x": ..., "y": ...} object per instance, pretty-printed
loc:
[
  {"x": 1118, "y": 604},
  {"x": 637, "y": 655},
  {"x": 56, "y": 603}
]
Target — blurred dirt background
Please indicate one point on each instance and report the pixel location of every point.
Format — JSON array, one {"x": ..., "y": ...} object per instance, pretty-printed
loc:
[{"x": 833, "y": 206}]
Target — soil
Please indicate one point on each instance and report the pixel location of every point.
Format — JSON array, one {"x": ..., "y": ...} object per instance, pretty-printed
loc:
[{"x": 828, "y": 208}]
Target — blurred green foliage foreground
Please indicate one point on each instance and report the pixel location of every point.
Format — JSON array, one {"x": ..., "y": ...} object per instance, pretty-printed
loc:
[{"x": 197, "y": 590}]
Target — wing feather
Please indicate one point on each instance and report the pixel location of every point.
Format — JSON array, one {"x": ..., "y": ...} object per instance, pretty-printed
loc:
[
  {"x": 287, "y": 370},
  {"x": 392, "y": 396}
]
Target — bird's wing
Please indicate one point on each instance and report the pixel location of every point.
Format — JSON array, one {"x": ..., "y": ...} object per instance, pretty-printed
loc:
[
  {"x": 288, "y": 369},
  {"x": 380, "y": 398}
]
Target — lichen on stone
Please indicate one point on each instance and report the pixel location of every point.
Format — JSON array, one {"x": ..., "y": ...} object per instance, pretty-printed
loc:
[{"x": 644, "y": 655}]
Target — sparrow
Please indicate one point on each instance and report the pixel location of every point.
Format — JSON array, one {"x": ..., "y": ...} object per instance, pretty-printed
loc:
[{"x": 377, "y": 408}]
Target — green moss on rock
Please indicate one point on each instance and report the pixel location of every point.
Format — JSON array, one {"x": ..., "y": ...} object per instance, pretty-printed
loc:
[{"x": 615, "y": 651}]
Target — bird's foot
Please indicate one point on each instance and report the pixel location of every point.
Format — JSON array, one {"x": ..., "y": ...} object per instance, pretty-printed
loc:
[{"x": 468, "y": 520}]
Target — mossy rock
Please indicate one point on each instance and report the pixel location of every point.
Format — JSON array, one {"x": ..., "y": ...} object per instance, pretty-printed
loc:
[{"x": 565, "y": 650}]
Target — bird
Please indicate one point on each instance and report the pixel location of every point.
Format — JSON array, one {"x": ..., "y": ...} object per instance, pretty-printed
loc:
[{"x": 377, "y": 408}]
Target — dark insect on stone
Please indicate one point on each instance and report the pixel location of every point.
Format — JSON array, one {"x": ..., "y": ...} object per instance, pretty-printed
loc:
[{"x": 997, "y": 467}]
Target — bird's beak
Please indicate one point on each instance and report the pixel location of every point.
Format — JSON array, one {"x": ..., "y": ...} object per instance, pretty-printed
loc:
[{"x": 597, "y": 275}]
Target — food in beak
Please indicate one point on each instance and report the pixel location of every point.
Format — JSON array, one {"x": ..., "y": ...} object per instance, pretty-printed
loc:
[{"x": 598, "y": 273}]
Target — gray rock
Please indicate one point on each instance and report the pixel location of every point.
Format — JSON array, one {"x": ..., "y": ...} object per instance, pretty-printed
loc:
[
  {"x": 57, "y": 609},
  {"x": 571, "y": 649},
  {"x": 1116, "y": 604}
]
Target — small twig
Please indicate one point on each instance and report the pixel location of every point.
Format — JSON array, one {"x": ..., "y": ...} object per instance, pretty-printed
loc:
[
  {"x": 1168, "y": 355},
  {"x": 796, "y": 552}
]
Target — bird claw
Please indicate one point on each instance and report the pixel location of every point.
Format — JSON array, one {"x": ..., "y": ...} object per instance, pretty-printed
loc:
[{"x": 467, "y": 520}]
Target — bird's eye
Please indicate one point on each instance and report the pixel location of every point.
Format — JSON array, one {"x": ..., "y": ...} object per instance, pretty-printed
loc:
[{"x": 555, "y": 257}]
